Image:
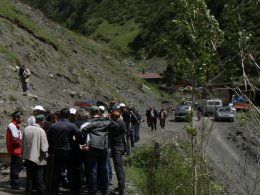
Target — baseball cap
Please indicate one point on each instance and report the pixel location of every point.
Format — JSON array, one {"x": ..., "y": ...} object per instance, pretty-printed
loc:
[
  {"x": 102, "y": 108},
  {"x": 73, "y": 111},
  {"x": 39, "y": 108},
  {"x": 121, "y": 105}
]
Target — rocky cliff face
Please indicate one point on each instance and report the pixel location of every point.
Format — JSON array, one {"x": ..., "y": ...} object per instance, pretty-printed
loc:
[{"x": 65, "y": 67}]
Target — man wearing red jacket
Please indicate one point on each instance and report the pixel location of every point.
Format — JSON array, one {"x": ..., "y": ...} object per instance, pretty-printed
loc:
[{"x": 13, "y": 144}]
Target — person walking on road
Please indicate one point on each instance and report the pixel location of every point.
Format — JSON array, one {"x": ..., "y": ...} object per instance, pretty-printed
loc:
[
  {"x": 152, "y": 116},
  {"x": 162, "y": 117},
  {"x": 14, "y": 148},
  {"x": 34, "y": 151}
]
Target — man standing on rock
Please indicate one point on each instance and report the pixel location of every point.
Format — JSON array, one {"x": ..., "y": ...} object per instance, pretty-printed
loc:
[
  {"x": 25, "y": 74},
  {"x": 34, "y": 150},
  {"x": 14, "y": 148}
]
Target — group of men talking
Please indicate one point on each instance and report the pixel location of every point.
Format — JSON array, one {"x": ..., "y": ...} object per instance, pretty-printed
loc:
[{"x": 72, "y": 144}]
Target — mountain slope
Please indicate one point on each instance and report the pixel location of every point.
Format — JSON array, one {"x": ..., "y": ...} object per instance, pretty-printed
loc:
[{"x": 65, "y": 67}]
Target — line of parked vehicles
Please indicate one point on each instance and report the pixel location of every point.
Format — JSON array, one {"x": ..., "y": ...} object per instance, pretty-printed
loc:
[{"x": 210, "y": 107}]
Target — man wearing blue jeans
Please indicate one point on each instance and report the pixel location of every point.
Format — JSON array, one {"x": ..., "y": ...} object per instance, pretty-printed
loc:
[
  {"x": 95, "y": 132},
  {"x": 97, "y": 158}
]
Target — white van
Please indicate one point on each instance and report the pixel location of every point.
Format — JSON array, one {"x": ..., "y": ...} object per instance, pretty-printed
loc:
[{"x": 210, "y": 106}]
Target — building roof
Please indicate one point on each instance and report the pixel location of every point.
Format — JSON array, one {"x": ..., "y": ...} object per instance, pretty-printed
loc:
[{"x": 149, "y": 76}]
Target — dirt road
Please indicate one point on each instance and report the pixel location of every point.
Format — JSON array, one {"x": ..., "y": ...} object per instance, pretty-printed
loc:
[{"x": 235, "y": 167}]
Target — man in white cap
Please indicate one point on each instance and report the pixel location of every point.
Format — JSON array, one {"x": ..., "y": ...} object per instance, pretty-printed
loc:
[
  {"x": 72, "y": 117},
  {"x": 102, "y": 110},
  {"x": 37, "y": 110}
]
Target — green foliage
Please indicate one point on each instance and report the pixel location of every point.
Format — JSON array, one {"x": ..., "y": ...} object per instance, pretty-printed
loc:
[
  {"x": 186, "y": 31},
  {"x": 162, "y": 170},
  {"x": 191, "y": 131},
  {"x": 140, "y": 158},
  {"x": 118, "y": 36},
  {"x": 240, "y": 22},
  {"x": 11, "y": 57},
  {"x": 9, "y": 12}
]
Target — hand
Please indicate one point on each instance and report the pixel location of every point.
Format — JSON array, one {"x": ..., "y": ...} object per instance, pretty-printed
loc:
[{"x": 83, "y": 147}]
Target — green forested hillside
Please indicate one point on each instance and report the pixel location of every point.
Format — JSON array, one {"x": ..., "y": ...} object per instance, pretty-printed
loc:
[{"x": 148, "y": 28}]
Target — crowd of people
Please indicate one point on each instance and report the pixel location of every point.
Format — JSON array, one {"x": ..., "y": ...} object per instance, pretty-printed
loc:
[{"x": 72, "y": 147}]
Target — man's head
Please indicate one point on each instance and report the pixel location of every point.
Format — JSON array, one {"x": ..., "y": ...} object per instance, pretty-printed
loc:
[
  {"x": 40, "y": 119},
  {"x": 115, "y": 115},
  {"x": 64, "y": 113},
  {"x": 94, "y": 111},
  {"x": 38, "y": 110},
  {"x": 72, "y": 114},
  {"x": 17, "y": 116},
  {"x": 81, "y": 114}
]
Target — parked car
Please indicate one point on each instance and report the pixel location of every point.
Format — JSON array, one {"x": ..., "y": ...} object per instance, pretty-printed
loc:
[
  {"x": 210, "y": 106},
  {"x": 182, "y": 111},
  {"x": 224, "y": 113}
]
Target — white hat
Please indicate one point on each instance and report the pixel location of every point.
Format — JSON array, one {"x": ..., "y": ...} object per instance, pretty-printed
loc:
[
  {"x": 102, "y": 108},
  {"x": 121, "y": 105},
  {"x": 39, "y": 108},
  {"x": 73, "y": 111}
]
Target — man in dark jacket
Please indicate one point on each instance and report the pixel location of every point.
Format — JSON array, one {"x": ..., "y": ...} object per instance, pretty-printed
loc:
[
  {"x": 125, "y": 113},
  {"x": 162, "y": 117},
  {"x": 152, "y": 116},
  {"x": 61, "y": 136},
  {"x": 117, "y": 133},
  {"x": 94, "y": 133}
]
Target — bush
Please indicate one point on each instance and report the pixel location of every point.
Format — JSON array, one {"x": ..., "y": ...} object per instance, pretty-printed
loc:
[{"x": 165, "y": 171}]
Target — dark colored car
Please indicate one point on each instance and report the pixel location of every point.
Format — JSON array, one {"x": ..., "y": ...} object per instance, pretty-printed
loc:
[{"x": 182, "y": 111}]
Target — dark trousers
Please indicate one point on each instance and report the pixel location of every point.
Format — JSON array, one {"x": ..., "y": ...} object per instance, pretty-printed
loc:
[
  {"x": 34, "y": 175},
  {"x": 162, "y": 123},
  {"x": 137, "y": 132},
  {"x": 117, "y": 155},
  {"x": 23, "y": 83},
  {"x": 132, "y": 137},
  {"x": 128, "y": 146},
  {"x": 97, "y": 159},
  {"x": 153, "y": 123},
  {"x": 61, "y": 159},
  {"x": 15, "y": 169}
]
